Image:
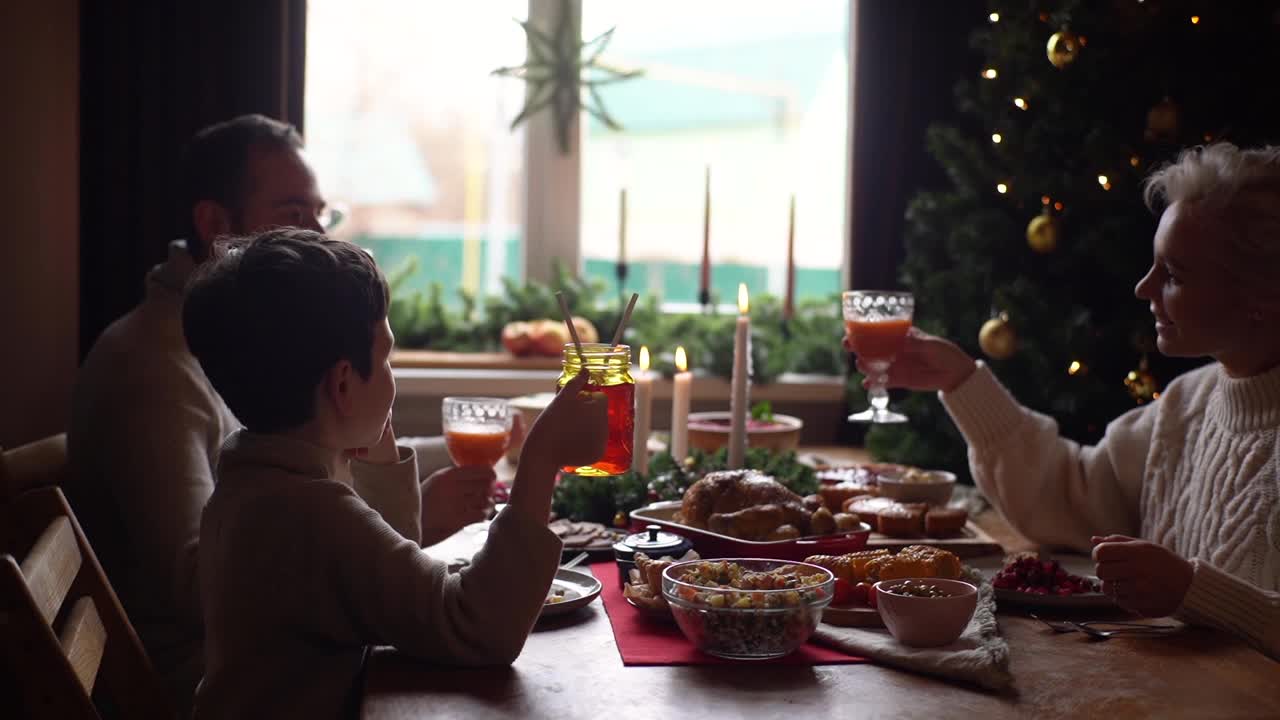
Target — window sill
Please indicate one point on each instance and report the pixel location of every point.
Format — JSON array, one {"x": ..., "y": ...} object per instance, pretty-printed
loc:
[
  {"x": 424, "y": 378},
  {"x": 422, "y": 373}
]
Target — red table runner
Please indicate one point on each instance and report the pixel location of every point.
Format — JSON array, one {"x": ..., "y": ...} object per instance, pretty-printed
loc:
[{"x": 646, "y": 641}]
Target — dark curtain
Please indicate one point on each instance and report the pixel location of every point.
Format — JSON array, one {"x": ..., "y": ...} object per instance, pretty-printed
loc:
[
  {"x": 153, "y": 72},
  {"x": 908, "y": 55}
]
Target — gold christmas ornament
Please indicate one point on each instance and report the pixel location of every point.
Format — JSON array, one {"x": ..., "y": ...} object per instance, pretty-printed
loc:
[
  {"x": 997, "y": 338},
  {"x": 1063, "y": 48},
  {"x": 1042, "y": 233},
  {"x": 1162, "y": 122},
  {"x": 1142, "y": 384}
]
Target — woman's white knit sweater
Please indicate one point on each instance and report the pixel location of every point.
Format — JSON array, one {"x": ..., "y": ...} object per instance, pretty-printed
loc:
[{"x": 1197, "y": 471}]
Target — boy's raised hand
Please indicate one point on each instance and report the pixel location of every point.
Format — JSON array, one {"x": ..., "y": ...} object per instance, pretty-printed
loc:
[{"x": 572, "y": 430}]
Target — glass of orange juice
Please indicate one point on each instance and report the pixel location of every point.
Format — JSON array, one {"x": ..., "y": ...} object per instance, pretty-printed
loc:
[
  {"x": 477, "y": 430},
  {"x": 877, "y": 322}
]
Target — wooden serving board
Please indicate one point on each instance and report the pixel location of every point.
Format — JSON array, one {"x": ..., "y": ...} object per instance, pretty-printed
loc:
[
  {"x": 971, "y": 542},
  {"x": 852, "y": 616}
]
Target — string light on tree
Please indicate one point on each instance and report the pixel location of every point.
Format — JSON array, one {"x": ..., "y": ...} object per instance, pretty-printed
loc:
[
  {"x": 1135, "y": 161},
  {"x": 1002, "y": 188},
  {"x": 1141, "y": 383},
  {"x": 1105, "y": 182},
  {"x": 1077, "y": 368},
  {"x": 994, "y": 17},
  {"x": 990, "y": 74},
  {"x": 1020, "y": 103},
  {"x": 997, "y": 138},
  {"x": 1195, "y": 19}
]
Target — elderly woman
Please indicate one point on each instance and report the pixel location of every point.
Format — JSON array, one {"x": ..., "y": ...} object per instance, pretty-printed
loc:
[{"x": 1196, "y": 474}]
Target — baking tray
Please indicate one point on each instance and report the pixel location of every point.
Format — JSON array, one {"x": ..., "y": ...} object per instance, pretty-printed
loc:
[{"x": 714, "y": 545}]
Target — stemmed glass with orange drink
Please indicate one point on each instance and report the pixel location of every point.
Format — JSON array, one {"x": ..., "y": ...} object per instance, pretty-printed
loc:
[
  {"x": 877, "y": 323},
  {"x": 477, "y": 430}
]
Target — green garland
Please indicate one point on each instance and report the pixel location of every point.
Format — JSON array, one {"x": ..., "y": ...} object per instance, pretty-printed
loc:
[
  {"x": 601, "y": 499},
  {"x": 809, "y": 343}
]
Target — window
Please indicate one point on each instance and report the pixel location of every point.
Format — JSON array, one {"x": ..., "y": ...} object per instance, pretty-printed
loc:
[
  {"x": 407, "y": 128},
  {"x": 410, "y": 135},
  {"x": 757, "y": 92}
]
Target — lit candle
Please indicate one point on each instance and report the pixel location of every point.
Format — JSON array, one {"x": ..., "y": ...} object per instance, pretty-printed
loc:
[
  {"x": 704, "y": 284},
  {"x": 681, "y": 390},
  {"x": 644, "y": 413},
  {"x": 789, "y": 303},
  {"x": 738, "y": 390}
]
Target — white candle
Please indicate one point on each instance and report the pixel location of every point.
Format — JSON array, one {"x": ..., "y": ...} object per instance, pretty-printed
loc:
[
  {"x": 644, "y": 413},
  {"x": 681, "y": 391},
  {"x": 739, "y": 400}
]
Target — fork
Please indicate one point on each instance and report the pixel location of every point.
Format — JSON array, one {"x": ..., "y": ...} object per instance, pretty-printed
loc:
[
  {"x": 1066, "y": 627},
  {"x": 1129, "y": 629}
]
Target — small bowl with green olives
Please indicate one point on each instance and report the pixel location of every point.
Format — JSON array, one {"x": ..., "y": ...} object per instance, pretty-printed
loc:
[{"x": 926, "y": 612}]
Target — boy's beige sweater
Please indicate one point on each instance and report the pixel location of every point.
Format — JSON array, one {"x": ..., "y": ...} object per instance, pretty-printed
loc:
[
  {"x": 1197, "y": 471},
  {"x": 299, "y": 575}
]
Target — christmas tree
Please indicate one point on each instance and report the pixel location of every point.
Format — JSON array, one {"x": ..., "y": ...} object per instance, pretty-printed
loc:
[{"x": 1029, "y": 259}]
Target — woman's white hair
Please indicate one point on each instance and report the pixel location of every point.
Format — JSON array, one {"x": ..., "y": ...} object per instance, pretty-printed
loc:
[{"x": 1238, "y": 188}]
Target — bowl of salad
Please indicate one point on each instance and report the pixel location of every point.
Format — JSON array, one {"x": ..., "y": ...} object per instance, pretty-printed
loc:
[{"x": 747, "y": 608}]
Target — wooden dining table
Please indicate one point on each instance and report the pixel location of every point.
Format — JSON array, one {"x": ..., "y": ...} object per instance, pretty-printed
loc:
[{"x": 571, "y": 668}]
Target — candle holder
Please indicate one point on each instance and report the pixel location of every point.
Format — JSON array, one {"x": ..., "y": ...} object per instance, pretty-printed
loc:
[{"x": 609, "y": 367}]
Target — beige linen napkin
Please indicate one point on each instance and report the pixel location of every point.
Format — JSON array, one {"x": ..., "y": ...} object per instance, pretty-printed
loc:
[{"x": 980, "y": 656}]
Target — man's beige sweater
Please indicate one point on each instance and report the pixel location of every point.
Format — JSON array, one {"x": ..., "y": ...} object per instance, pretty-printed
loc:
[
  {"x": 299, "y": 575},
  {"x": 1197, "y": 471}
]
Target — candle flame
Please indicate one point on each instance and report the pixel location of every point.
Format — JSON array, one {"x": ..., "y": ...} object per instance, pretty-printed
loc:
[
  {"x": 682, "y": 360},
  {"x": 644, "y": 357},
  {"x": 743, "y": 304}
]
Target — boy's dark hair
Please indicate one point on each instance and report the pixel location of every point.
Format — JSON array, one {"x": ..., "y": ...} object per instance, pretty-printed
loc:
[
  {"x": 215, "y": 162},
  {"x": 269, "y": 315}
]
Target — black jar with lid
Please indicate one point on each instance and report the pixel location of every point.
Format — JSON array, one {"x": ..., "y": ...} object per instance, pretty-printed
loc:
[{"x": 652, "y": 541}]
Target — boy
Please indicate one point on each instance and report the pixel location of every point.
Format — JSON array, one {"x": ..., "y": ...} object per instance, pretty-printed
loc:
[{"x": 297, "y": 573}]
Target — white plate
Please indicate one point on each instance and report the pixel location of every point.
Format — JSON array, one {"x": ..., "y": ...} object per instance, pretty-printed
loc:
[
  {"x": 1082, "y": 600},
  {"x": 579, "y": 588}
]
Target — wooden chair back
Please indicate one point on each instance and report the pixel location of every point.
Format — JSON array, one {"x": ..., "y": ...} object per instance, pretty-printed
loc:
[
  {"x": 66, "y": 641},
  {"x": 42, "y": 463}
]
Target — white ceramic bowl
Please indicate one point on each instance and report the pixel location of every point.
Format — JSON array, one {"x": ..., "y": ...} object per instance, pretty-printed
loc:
[
  {"x": 926, "y": 621},
  {"x": 918, "y": 486}
]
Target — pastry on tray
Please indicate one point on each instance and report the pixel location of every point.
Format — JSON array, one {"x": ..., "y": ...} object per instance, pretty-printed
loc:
[
  {"x": 875, "y": 565},
  {"x": 943, "y": 522}
]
